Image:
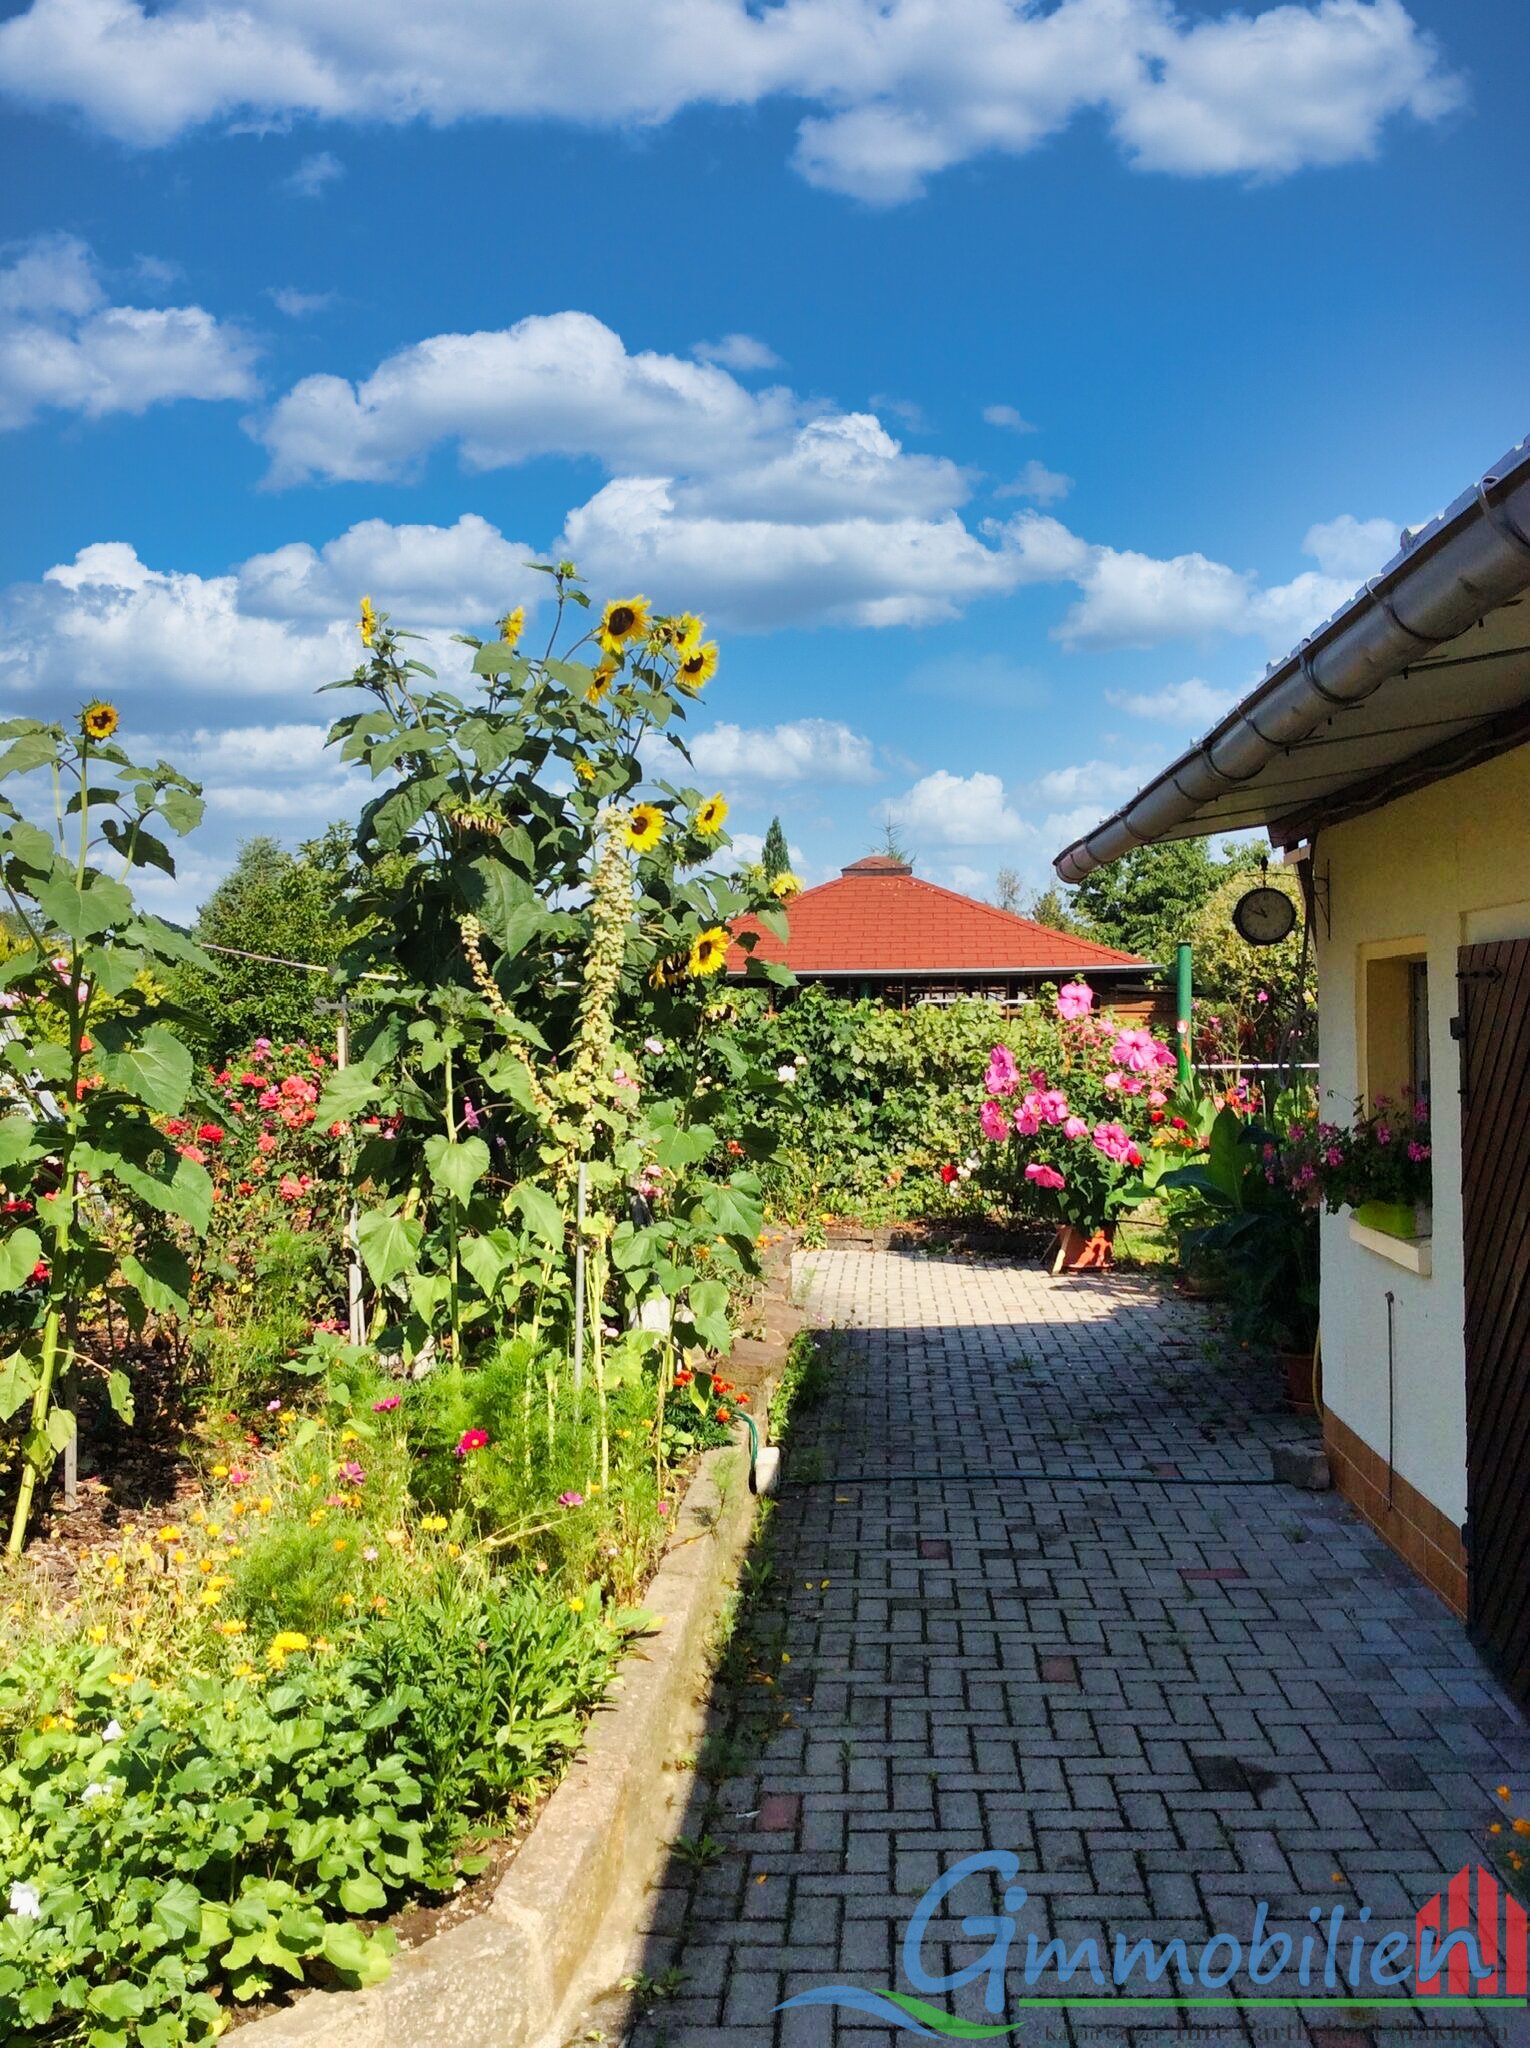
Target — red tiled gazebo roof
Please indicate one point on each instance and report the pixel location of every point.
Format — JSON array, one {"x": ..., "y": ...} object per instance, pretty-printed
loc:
[{"x": 880, "y": 918}]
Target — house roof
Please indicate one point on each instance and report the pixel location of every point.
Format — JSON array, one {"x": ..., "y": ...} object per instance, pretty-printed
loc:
[
  {"x": 1426, "y": 669},
  {"x": 880, "y": 918}
]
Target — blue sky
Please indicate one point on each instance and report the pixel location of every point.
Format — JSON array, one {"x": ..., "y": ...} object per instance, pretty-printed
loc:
[{"x": 1007, "y": 380}]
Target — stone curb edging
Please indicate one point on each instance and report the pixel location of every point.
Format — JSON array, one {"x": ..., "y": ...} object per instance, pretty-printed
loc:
[{"x": 499, "y": 1979}]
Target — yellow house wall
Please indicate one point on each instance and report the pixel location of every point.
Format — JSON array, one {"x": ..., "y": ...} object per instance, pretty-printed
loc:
[{"x": 1445, "y": 867}]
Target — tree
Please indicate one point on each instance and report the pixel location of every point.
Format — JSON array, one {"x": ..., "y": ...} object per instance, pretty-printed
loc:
[
  {"x": 289, "y": 907},
  {"x": 775, "y": 855},
  {"x": 1006, "y": 890},
  {"x": 1146, "y": 901},
  {"x": 1048, "y": 908}
]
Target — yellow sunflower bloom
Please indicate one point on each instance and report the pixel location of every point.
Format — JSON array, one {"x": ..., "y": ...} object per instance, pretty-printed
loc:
[
  {"x": 697, "y": 665},
  {"x": 585, "y": 770},
  {"x": 624, "y": 619},
  {"x": 645, "y": 827},
  {"x": 785, "y": 886},
  {"x": 709, "y": 952},
  {"x": 368, "y": 622},
  {"x": 98, "y": 721},
  {"x": 512, "y": 625},
  {"x": 681, "y": 633},
  {"x": 711, "y": 816},
  {"x": 600, "y": 683}
]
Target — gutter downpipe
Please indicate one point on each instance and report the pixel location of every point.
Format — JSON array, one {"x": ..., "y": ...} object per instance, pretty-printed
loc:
[{"x": 1473, "y": 558}]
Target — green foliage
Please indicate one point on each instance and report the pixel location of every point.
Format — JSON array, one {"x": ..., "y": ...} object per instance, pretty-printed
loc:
[
  {"x": 1147, "y": 901},
  {"x": 775, "y": 855},
  {"x": 87, "y": 1079}
]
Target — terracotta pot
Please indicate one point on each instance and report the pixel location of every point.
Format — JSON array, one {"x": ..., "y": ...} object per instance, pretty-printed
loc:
[
  {"x": 1083, "y": 1251},
  {"x": 1298, "y": 1366}
]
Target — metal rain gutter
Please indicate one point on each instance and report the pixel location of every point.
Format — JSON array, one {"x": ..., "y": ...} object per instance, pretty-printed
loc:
[{"x": 1473, "y": 557}]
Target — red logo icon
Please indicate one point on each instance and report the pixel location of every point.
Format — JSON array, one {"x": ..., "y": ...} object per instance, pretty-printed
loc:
[{"x": 1491, "y": 1960}]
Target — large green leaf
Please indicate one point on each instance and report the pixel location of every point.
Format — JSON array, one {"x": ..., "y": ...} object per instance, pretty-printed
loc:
[
  {"x": 487, "y": 1255},
  {"x": 676, "y": 1148},
  {"x": 181, "y": 809},
  {"x": 82, "y": 913},
  {"x": 458, "y": 1167},
  {"x": 389, "y": 1243},
  {"x": 157, "y": 1071},
  {"x": 18, "y": 1383},
  {"x": 19, "y": 1253},
  {"x": 32, "y": 750},
  {"x": 504, "y": 905},
  {"x": 162, "y": 1277},
  {"x": 544, "y": 1219},
  {"x": 347, "y": 1091},
  {"x": 29, "y": 845},
  {"x": 18, "y": 1140}
]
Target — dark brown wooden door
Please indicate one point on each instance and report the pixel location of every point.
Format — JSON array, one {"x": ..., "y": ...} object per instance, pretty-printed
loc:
[{"x": 1495, "y": 1187}]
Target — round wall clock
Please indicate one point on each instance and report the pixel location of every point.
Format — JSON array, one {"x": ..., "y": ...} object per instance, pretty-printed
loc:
[{"x": 1264, "y": 917}]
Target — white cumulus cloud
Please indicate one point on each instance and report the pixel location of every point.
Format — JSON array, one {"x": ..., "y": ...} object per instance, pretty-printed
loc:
[
  {"x": 942, "y": 809},
  {"x": 62, "y": 345},
  {"x": 737, "y": 352},
  {"x": 1190, "y": 703},
  {"x": 896, "y": 90},
  {"x": 803, "y": 750}
]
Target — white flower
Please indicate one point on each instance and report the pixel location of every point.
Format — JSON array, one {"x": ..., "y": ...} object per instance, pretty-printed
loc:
[
  {"x": 786, "y": 1074},
  {"x": 112, "y": 1732},
  {"x": 96, "y": 1790},
  {"x": 25, "y": 1902},
  {"x": 653, "y": 1045},
  {"x": 801, "y": 1060}
]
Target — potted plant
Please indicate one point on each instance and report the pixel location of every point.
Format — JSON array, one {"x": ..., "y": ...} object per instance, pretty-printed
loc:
[{"x": 1380, "y": 1167}]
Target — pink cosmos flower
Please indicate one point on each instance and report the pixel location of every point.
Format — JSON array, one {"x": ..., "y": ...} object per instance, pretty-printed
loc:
[
  {"x": 1044, "y": 1176},
  {"x": 387, "y": 1404},
  {"x": 1074, "y": 999},
  {"x": 352, "y": 1473},
  {"x": 571, "y": 1500},
  {"x": 1416, "y": 1151},
  {"x": 1002, "y": 1077},
  {"x": 992, "y": 1121},
  {"x": 1075, "y": 1127},
  {"x": 238, "y": 1477},
  {"x": 472, "y": 1440}
]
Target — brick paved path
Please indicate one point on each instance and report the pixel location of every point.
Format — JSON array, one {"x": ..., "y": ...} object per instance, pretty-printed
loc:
[{"x": 1035, "y": 1591}]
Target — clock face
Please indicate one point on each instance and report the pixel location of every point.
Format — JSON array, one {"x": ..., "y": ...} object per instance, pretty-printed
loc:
[{"x": 1265, "y": 916}]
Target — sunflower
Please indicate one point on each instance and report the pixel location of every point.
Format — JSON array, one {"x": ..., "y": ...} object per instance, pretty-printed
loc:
[
  {"x": 368, "y": 622},
  {"x": 711, "y": 816},
  {"x": 785, "y": 886},
  {"x": 681, "y": 633},
  {"x": 709, "y": 951},
  {"x": 600, "y": 682},
  {"x": 512, "y": 625},
  {"x": 585, "y": 770},
  {"x": 623, "y": 619},
  {"x": 669, "y": 970},
  {"x": 698, "y": 665},
  {"x": 98, "y": 721},
  {"x": 645, "y": 827}
]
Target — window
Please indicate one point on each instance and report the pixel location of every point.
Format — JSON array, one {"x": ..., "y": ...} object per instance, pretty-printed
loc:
[{"x": 1394, "y": 1022}]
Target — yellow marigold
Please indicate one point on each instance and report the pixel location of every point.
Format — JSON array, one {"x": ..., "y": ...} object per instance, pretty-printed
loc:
[
  {"x": 624, "y": 619},
  {"x": 169, "y": 1534},
  {"x": 230, "y": 1628},
  {"x": 697, "y": 665},
  {"x": 576, "y": 1606},
  {"x": 645, "y": 827},
  {"x": 96, "y": 1634},
  {"x": 433, "y": 1522},
  {"x": 454, "y": 1550},
  {"x": 265, "y": 1504},
  {"x": 709, "y": 953},
  {"x": 785, "y": 886},
  {"x": 711, "y": 816},
  {"x": 368, "y": 622},
  {"x": 98, "y": 721},
  {"x": 220, "y": 1471},
  {"x": 512, "y": 625}
]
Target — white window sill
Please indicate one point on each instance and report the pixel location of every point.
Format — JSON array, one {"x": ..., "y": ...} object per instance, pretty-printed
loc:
[{"x": 1414, "y": 1254}]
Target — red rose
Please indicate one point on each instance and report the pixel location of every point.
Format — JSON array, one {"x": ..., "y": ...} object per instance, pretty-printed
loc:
[
  {"x": 948, "y": 1173},
  {"x": 209, "y": 1134}
]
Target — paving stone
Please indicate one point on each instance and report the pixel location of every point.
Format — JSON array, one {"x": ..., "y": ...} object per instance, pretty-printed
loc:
[{"x": 1170, "y": 1688}]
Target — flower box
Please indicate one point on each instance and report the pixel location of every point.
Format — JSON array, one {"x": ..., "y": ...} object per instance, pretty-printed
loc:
[{"x": 1394, "y": 1219}]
